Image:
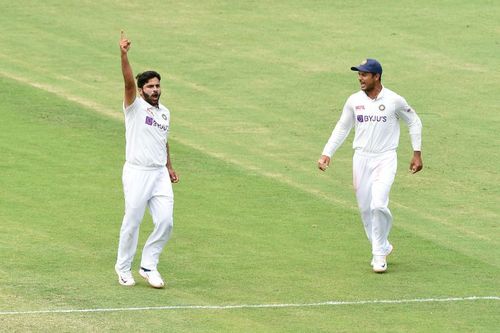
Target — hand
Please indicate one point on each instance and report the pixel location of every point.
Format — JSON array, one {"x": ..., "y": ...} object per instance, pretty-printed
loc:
[
  {"x": 124, "y": 43},
  {"x": 416, "y": 162},
  {"x": 173, "y": 176},
  {"x": 323, "y": 162}
]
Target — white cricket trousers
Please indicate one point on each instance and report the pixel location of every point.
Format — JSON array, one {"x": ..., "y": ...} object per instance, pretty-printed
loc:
[
  {"x": 152, "y": 188},
  {"x": 373, "y": 175}
]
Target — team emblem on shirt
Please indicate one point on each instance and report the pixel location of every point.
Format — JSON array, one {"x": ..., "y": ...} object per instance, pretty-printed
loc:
[{"x": 381, "y": 107}]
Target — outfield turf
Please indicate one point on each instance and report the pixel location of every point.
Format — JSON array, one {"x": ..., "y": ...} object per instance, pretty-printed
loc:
[{"x": 254, "y": 89}]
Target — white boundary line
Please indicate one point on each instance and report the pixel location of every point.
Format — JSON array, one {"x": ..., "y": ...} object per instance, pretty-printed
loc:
[{"x": 256, "y": 306}]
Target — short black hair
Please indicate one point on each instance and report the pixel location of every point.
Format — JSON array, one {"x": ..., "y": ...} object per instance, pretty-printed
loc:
[{"x": 144, "y": 77}]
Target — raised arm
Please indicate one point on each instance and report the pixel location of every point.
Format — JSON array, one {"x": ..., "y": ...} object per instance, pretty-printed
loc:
[{"x": 128, "y": 76}]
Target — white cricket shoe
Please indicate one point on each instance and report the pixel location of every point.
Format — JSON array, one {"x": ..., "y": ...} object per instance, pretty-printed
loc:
[
  {"x": 125, "y": 278},
  {"x": 390, "y": 249},
  {"x": 153, "y": 277},
  {"x": 379, "y": 263}
]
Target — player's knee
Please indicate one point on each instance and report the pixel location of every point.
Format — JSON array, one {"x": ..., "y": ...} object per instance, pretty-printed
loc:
[
  {"x": 132, "y": 220},
  {"x": 129, "y": 229},
  {"x": 165, "y": 222},
  {"x": 166, "y": 228}
]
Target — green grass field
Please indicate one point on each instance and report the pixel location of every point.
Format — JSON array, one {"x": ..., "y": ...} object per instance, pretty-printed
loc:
[{"x": 254, "y": 89}]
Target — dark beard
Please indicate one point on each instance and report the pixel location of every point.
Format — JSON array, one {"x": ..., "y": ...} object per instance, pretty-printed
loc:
[{"x": 148, "y": 99}]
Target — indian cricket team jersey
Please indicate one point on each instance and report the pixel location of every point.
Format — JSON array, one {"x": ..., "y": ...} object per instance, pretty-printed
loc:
[
  {"x": 146, "y": 134},
  {"x": 376, "y": 123}
]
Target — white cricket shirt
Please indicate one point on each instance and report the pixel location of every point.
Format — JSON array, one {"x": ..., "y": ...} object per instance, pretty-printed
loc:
[
  {"x": 376, "y": 123},
  {"x": 146, "y": 134}
]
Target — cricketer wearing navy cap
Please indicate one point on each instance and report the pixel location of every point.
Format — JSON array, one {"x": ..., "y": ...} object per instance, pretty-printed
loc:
[
  {"x": 369, "y": 66},
  {"x": 375, "y": 113}
]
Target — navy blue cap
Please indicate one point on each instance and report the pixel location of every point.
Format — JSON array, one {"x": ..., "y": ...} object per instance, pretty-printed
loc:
[{"x": 369, "y": 66}]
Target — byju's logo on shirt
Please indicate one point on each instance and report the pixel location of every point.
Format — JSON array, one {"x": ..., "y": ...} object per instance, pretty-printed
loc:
[
  {"x": 376, "y": 119},
  {"x": 151, "y": 122}
]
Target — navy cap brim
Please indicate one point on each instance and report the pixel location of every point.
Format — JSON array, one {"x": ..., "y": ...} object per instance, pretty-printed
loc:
[{"x": 359, "y": 69}]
